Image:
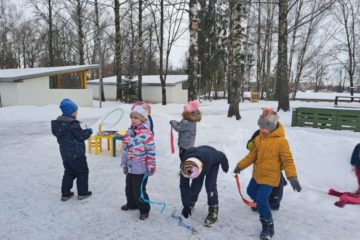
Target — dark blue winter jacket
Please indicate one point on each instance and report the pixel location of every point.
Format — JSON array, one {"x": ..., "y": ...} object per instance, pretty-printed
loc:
[
  {"x": 355, "y": 158},
  {"x": 70, "y": 137},
  {"x": 210, "y": 157}
]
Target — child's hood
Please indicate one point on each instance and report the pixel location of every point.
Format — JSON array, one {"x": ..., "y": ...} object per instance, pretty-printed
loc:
[{"x": 61, "y": 125}]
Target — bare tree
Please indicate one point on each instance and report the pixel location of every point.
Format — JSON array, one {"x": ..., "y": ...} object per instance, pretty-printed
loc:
[
  {"x": 282, "y": 65},
  {"x": 98, "y": 48},
  {"x": 294, "y": 35},
  {"x": 9, "y": 16},
  {"x": 237, "y": 47},
  {"x": 349, "y": 11},
  {"x": 193, "y": 50},
  {"x": 119, "y": 95},
  {"x": 268, "y": 47},
  {"x": 45, "y": 10},
  {"x": 77, "y": 9},
  {"x": 140, "y": 50}
]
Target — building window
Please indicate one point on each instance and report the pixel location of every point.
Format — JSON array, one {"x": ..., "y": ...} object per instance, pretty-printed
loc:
[{"x": 68, "y": 81}]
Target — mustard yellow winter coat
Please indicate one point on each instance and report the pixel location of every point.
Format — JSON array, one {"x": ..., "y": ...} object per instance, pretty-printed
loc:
[{"x": 270, "y": 155}]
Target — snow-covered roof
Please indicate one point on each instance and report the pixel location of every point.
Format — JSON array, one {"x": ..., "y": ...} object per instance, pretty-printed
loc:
[
  {"x": 147, "y": 80},
  {"x": 12, "y": 75}
]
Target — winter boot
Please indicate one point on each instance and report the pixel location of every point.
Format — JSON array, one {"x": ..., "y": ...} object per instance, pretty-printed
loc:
[
  {"x": 126, "y": 207},
  {"x": 144, "y": 216},
  {"x": 66, "y": 196},
  {"x": 267, "y": 229},
  {"x": 212, "y": 216},
  {"x": 83, "y": 196}
]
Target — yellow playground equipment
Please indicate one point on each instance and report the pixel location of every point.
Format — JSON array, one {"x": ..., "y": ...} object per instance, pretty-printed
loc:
[{"x": 95, "y": 142}]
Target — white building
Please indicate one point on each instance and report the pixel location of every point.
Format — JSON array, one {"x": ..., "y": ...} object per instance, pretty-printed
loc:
[
  {"x": 43, "y": 86},
  {"x": 176, "y": 88}
]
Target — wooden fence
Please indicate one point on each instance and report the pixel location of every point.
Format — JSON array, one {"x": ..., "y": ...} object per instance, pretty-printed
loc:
[{"x": 337, "y": 119}]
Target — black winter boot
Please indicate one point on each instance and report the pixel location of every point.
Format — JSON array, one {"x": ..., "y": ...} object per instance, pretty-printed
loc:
[
  {"x": 82, "y": 197},
  {"x": 212, "y": 216},
  {"x": 267, "y": 229},
  {"x": 66, "y": 196}
]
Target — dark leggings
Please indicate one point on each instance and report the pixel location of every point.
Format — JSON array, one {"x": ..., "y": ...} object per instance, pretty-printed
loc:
[{"x": 132, "y": 189}]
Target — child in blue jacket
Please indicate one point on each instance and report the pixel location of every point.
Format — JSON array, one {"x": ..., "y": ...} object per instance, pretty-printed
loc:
[
  {"x": 199, "y": 164},
  {"x": 355, "y": 161},
  {"x": 71, "y": 137}
]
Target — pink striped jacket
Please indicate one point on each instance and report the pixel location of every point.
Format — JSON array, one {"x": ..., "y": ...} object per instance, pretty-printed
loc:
[{"x": 139, "y": 150}]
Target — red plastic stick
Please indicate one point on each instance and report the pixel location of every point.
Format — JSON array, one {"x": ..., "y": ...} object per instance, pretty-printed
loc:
[
  {"x": 247, "y": 202},
  {"x": 172, "y": 141}
]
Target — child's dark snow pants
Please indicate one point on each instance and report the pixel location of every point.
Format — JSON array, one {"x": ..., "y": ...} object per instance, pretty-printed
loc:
[
  {"x": 132, "y": 189},
  {"x": 75, "y": 168}
]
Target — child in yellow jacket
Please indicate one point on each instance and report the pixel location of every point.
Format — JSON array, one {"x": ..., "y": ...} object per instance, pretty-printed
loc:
[{"x": 270, "y": 155}]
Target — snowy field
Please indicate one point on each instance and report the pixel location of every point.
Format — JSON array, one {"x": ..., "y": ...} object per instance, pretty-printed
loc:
[{"x": 31, "y": 171}]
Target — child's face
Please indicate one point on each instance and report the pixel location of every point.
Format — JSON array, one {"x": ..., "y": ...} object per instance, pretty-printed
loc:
[
  {"x": 74, "y": 114},
  {"x": 135, "y": 120},
  {"x": 264, "y": 130}
]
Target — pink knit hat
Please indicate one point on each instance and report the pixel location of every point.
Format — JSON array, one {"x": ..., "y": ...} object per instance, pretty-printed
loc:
[
  {"x": 268, "y": 119},
  {"x": 139, "y": 112},
  {"x": 144, "y": 105},
  {"x": 192, "y": 106}
]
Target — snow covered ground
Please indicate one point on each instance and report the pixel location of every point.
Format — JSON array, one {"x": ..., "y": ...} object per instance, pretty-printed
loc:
[{"x": 31, "y": 172}]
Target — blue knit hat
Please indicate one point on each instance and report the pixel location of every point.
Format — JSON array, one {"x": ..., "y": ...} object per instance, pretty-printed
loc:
[{"x": 68, "y": 107}]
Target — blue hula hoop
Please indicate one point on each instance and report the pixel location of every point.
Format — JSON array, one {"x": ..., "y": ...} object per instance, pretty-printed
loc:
[{"x": 162, "y": 204}]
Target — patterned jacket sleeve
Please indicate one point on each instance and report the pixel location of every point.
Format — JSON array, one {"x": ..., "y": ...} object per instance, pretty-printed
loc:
[
  {"x": 150, "y": 152},
  {"x": 124, "y": 153}
]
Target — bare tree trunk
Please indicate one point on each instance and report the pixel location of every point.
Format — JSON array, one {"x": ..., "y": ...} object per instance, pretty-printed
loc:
[
  {"x": 81, "y": 37},
  {"x": 282, "y": 66},
  {"x": 348, "y": 14},
  {"x": 300, "y": 61},
  {"x": 132, "y": 32},
  {"x": 268, "y": 47},
  {"x": 51, "y": 54},
  {"x": 258, "y": 50},
  {"x": 161, "y": 46},
  {"x": 247, "y": 73},
  {"x": 293, "y": 38},
  {"x": 119, "y": 91},
  {"x": 193, "y": 50},
  {"x": 98, "y": 46},
  {"x": 140, "y": 51},
  {"x": 237, "y": 47}
]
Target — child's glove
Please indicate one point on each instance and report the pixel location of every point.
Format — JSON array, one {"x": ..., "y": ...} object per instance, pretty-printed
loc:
[
  {"x": 151, "y": 172},
  {"x": 186, "y": 212},
  {"x": 295, "y": 184},
  {"x": 237, "y": 170},
  {"x": 90, "y": 130},
  {"x": 125, "y": 170}
]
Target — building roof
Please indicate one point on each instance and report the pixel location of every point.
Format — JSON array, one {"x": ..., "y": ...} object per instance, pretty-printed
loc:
[
  {"x": 147, "y": 80},
  {"x": 13, "y": 75}
]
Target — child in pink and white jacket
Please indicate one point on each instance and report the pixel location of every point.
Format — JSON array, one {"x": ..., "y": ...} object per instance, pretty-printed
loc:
[{"x": 138, "y": 159}]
